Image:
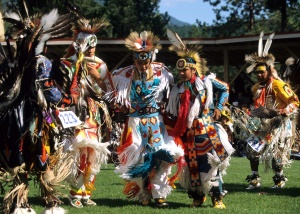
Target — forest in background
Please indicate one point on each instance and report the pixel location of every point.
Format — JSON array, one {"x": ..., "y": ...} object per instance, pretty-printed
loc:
[
  {"x": 232, "y": 17},
  {"x": 236, "y": 18}
]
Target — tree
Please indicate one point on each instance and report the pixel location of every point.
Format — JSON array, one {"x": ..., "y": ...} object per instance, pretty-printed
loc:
[
  {"x": 240, "y": 16},
  {"x": 90, "y": 7},
  {"x": 87, "y": 8},
  {"x": 132, "y": 15},
  {"x": 282, "y": 6}
]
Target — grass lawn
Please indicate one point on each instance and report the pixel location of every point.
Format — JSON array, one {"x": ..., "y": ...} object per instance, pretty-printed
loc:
[{"x": 110, "y": 199}]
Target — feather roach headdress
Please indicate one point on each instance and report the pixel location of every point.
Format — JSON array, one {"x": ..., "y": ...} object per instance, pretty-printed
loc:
[
  {"x": 144, "y": 45},
  {"x": 84, "y": 30},
  {"x": 262, "y": 56},
  {"x": 84, "y": 33},
  {"x": 189, "y": 54}
]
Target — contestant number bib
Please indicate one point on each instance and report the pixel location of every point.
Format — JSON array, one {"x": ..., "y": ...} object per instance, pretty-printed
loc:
[
  {"x": 69, "y": 119},
  {"x": 255, "y": 143}
]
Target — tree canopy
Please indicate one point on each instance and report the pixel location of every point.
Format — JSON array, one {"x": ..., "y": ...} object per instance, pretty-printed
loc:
[{"x": 233, "y": 17}]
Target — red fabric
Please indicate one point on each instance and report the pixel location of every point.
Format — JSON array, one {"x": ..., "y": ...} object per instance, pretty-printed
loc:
[
  {"x": 180, "y": 164},
  {"x": 260, "y": 101},
  {"x": 74, "y": 86},
  {"x": 180, "y": 126}
]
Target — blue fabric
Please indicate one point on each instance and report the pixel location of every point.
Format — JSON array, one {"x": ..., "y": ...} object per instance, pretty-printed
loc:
[
  {"x": 44, "y": 69},
  {"x": 144, "y": 169},
  {"x": 151, "y": 160},
  {"x": 221, "y": 89},
  {"x": 146, "y": 89}
]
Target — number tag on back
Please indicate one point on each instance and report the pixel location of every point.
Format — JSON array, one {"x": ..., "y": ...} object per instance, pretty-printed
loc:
[
  {"x": 256, "y": 143},
  {"x": 68, "y": 119}
]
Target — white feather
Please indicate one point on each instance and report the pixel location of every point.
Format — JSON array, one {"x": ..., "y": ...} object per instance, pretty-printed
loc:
[
  {"x": 260, "y": 44},
  {"x": 290, "y": 61},
  {"x": 12, "y": 15},
  {"x": 40, "y": 47},
  {"x": 137, "y": 45},
  {"x": 1, "y": 28},
  {"x": 175, "y": 40},
  {"x": 144, "y": 35},
  {"x": 268, "y": 44},
  {"x": 250, "y": 68},
  {"x": 49, "y": 19},
  {"x": 154, "y": 54}
]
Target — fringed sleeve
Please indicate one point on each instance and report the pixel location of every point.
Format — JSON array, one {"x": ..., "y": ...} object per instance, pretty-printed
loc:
[
  {"x": 173, "y": 104},
  {"x": 122, "y": 89}
]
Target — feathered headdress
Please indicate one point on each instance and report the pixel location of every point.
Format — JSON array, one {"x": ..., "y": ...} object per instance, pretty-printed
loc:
[
  {"x": 190, "y": 55},
  {"x": 262, "y": 56},
  {"x": 144, "y": 45},
  {"x": 84, "y": 31}
]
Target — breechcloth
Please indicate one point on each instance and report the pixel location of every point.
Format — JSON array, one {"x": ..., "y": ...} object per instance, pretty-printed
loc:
[{"x": 201, "y": 139}]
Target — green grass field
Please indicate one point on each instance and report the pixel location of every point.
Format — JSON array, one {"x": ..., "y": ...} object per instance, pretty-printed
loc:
[{"x": 110, "y": 199}]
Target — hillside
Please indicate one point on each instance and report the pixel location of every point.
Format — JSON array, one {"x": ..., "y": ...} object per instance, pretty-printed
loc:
[{"x": 174, "y": 21}]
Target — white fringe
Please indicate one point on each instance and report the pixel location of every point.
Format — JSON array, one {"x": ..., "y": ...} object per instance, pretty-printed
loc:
[
  {"x": 100, "y": 158},
  {"x": 132, "y": 154},
  {"x": 194, "y": 111},
  {"x": 209, "y": 93},
  {"x": 20, "y": 210},
  {"x": 122, "y": 87},
  {"x": 173, "y": 104},
  {"x": 54, "y": 210}
]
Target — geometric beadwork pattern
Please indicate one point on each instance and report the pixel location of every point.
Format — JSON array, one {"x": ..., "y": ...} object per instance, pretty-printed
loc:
[{"x": 192, "y": 160}]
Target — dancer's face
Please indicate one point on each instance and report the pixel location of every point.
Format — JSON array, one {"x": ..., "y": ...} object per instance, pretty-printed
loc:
[
  {"x": 142, "y": 65},
  {"x": 186, "y": 73},
  {"x": 90, "y": 52},
  {"x": 262, "y": 74}
]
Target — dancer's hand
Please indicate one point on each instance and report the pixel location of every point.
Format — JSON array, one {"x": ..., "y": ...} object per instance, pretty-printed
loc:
[{"x": 217, "y": 114}]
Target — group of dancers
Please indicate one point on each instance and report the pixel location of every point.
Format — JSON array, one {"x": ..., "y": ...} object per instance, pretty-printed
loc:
[{"x": 53, "y": 114}]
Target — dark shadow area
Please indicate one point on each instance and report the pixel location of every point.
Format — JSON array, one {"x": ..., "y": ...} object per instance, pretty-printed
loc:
[{"x": 286, "y": 191}]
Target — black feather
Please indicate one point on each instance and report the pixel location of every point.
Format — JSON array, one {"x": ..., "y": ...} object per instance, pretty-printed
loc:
[{"x": 263, "y": 112}]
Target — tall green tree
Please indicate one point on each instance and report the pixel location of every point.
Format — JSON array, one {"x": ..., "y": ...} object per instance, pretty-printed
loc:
[
  {"x": 236, "y": 17},
  {"x": 135, "y": 15},
  {"x": 283, "y": 7},
  {"x": 89, "y": 9}
]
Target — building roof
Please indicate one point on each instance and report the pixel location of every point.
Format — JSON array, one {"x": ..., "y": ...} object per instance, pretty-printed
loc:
[{"x": 218, "y": 52}]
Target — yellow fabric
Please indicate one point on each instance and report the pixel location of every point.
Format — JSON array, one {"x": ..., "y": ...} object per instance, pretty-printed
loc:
[
  {"x": 261, "y": 68},
  {"x": 282, "y": 93}
]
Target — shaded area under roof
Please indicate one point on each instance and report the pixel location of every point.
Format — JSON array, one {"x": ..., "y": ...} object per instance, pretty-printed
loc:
[{"x": 218, "y": 52}]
